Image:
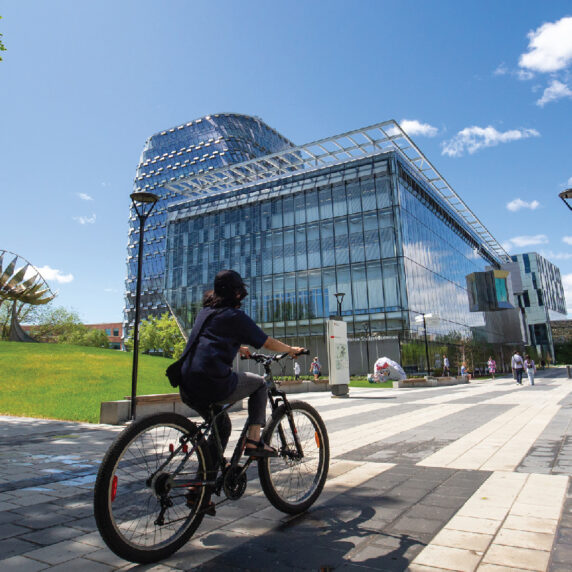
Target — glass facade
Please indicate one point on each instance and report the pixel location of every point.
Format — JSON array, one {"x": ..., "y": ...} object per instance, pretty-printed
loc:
[
  {"x": 366, "y": 228},
  {"x": 173, "y": 154},
  {"x": 353, "y": 214}
]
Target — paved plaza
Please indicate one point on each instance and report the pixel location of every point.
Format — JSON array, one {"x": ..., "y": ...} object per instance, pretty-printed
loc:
[{"x": 469, "y": 477}]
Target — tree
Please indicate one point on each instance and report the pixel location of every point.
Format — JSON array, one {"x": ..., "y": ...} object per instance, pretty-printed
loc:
[
  {"x": 56, "y": 325},
  {"x": 2, "y": 47},
  {"x": 160, "y": 335},
  {"x": 83, "y": 336}
]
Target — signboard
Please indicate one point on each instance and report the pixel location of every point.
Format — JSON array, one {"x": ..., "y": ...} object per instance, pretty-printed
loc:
[{"x": 338, "y": 355}]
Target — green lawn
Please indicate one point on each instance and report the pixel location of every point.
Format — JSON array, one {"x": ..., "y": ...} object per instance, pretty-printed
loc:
[{"x": 58, "y": 381}]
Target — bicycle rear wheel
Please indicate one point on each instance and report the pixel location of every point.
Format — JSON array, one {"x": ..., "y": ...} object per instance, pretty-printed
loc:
[
  {"x": 141, "y": 512},
  {"x": 292, "y": 481}
]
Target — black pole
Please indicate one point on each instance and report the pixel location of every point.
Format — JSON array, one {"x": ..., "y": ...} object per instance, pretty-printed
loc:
[
  {"x": 426, "y": 347},
  {"x": 142, "y": 218},
  {"x": 367, "y": 334}
]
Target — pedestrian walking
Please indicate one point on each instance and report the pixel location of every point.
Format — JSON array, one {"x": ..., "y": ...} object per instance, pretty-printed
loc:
[
  {"x": 446, "y": 371},
  {"x": 530, "y": 368},
  {"x": 315, "y": 368},
  {"x": 296, "y": 369},
  {"x": 492, "y": 365},
  {"x": 517, "y": 364}
]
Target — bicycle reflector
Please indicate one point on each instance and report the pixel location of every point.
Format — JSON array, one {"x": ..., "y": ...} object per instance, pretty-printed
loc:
[
  {"x": 113, "y": 488},
  {"x": 317, "y": 438}
]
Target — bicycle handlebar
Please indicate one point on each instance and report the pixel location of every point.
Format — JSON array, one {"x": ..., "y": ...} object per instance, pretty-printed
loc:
[{"x": 261, "y": 358}]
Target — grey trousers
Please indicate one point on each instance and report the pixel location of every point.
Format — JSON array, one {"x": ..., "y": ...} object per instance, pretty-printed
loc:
[{"x": 252, "y": 386}]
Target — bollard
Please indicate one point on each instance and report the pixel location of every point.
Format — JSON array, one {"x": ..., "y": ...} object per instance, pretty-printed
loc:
[{"x": 568, "y": 371}]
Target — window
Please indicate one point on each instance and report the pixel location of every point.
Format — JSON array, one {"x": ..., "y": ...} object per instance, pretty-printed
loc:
[
  {"x": 500, "y": 287},
  {"x": 107, "y": 331},
  {"x": 115, "y": 331}
]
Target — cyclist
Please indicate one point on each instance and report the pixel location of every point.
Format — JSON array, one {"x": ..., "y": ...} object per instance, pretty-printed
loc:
[{"x": 208, "y": 378}]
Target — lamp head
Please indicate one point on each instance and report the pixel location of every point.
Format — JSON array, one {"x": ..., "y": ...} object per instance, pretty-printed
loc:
[
  {"x": 144, "y": 197},
  {"x": 566, "y": 196}
]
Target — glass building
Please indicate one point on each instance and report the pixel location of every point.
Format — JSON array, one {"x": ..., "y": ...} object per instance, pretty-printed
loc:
[
  {"x": 190, "y": 149},
  {"x": 364, "y": 214},
  {"x": 542, "y": 297}
]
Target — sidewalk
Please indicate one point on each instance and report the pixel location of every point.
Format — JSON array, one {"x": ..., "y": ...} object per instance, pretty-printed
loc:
[{"x": 469, "y": 477}]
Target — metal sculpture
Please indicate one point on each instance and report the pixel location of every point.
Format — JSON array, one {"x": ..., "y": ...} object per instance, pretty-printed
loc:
[{"x": 21, "y": 282}]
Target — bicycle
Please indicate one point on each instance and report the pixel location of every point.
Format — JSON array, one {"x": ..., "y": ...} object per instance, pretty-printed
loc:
[{"x": 155, "y": 482}]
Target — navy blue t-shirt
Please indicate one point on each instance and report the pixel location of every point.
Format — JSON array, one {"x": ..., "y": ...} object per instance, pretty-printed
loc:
[{"x": 207, "y": 372}]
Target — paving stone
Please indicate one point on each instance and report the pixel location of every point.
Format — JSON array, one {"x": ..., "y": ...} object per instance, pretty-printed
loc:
[
  {"x": 9, "y": 529},
  {"x": 380, "y": 523},
  {"x": 22, "y": 564},
  {"x": 51, "y": 535},
  {"x": 15, "y": 546},
  {"x": 60, "y": 552}
]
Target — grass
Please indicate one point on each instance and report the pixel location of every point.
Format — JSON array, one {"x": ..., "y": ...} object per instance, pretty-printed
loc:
[
  {"x": 363, "y": 382},
  {"x": 58, "y": 381}
]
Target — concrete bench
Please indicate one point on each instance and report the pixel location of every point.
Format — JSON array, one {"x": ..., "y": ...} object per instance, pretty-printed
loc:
[
  {"x": 303, "y": 386},
  {"x": 117, "y": 412},
  {"x": 429, "y": 381}
]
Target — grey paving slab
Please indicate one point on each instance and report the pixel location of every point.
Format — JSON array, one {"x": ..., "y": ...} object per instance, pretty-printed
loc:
[{"x": 381, "y": 523}]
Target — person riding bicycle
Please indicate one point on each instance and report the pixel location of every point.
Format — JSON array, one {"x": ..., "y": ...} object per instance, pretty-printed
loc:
[{"x": 208, "y": 378}]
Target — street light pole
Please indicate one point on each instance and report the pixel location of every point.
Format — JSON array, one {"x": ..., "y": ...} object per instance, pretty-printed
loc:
[
  {"x": 367, "y": 330},
  {"x": 426, "y": 346},
  {"x": 340, "y": 298},
  {"x": 423, "y": 315},
  {"x": 143, "y": 203}
]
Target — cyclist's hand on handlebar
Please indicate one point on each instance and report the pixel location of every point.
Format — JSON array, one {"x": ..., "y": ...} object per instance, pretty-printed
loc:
[
  {"x": 295, "y": 351},
  {"x": 244, "y": 352}
]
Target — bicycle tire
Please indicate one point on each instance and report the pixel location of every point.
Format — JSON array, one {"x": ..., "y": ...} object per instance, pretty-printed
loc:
[
  {"x": 293, "y": 485},
  {"x": 126, "y": 506}
]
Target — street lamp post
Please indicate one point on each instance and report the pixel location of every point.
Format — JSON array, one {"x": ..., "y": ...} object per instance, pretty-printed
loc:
[
  {"x": 367, "y": 330},
  {"x": 340, "y": 298},
  {"x": 143, "y": 203},
  {"x": 424, "y": 316},
  {"x": 566, "y": 196}
]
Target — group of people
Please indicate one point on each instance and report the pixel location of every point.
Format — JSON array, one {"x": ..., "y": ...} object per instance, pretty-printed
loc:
[
  {"x": 519, "y": 366},
  {"x": 315, "y": 368}
]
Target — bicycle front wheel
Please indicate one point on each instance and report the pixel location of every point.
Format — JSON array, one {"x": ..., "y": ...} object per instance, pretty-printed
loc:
[
  {"x": 141, "y": 499},
  {"x": 294, "y": 480}
]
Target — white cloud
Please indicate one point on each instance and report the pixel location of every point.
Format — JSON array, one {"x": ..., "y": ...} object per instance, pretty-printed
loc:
[
  {"x": 501, "y": 69},
  {"x": 54, "y": 274},
  {"x": 569, "y": 183},
  {"x": 524, "y": 75},
  {"x": 85, "y": 219},
  {"x": 523, "y": 241},
  {"x": 567, "y": 239},
  {"x": 472, "y": 139},
  {"x": 415, "y": 127},
  {"x": 84, "y": 197},
  {"x": 518, "y": 204},
  {"x": 550, "y": 47},
  {"x": 550, "y": 255},
  {"x": 556, "y": 90}
]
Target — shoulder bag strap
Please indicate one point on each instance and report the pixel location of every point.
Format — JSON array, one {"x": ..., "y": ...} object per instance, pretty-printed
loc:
[{"x": 196, "y": 332}]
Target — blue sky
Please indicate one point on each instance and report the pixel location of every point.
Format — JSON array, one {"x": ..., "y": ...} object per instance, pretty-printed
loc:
[{"x": 484, "y": 89}]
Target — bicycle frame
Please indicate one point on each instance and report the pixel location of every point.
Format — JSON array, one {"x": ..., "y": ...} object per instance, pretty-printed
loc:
[{"x": 275, "y": 399}]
